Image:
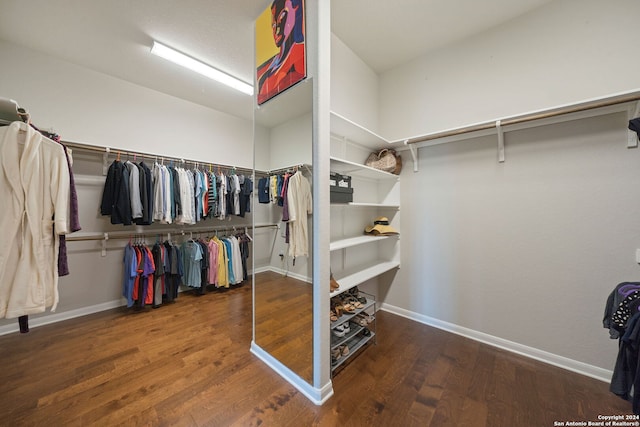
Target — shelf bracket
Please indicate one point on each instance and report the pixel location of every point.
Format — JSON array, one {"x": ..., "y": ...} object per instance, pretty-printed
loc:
[
  {"x": 414, "y": 154},
  {"x": 500, "y": 141},
  {"x": 633, "y": 112}
]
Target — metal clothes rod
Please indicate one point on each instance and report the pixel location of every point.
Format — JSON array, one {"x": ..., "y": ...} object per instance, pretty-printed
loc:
[
  {"x": 150, "y": 156},
  {"x": 543, "y": 114},
  {"x": 289, "y": 168},
  {"x": 128, "y": 235}
]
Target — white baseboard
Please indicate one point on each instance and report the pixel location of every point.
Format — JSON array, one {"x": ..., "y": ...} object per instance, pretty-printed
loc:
[
  {"x": 316, "y": 395},
  {"x": 284, "y": 273},
  {"x": 47, "y": 319},
  {"x": 533, "y": 353}
]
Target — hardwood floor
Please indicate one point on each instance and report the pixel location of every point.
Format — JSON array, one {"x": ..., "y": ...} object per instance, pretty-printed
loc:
[
  {"x": 284, "y": 321},
  {"x": 188, "y": 364}
]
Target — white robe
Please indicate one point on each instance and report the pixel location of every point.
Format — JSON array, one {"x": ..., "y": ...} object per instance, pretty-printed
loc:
[
  {"x": 34, "y": 190},
  {"x": 300, "y": 204}
]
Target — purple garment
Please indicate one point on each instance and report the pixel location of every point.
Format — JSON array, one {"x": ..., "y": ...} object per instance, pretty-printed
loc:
[{"x": 74, "y": 224}]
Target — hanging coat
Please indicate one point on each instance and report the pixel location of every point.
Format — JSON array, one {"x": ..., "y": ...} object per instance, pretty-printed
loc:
[
  {"x": 34, "y": 189},
  {"x": 300, "y": 204}
]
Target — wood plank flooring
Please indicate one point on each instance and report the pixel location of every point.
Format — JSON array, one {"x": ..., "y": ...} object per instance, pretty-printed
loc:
[{"x": 188, "y": 364}]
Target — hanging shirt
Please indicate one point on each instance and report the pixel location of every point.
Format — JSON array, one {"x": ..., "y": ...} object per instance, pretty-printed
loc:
[
  {"x": 129, "y": 273},
  {"x": 191, "y": 259},
  {"x": 134, "y": 190},
  {"x": 222, "y": 197},
  {"x": 263, "y": 190},
  {"x": 237, "y": 260},
  {"x": 213, "y": 263}
]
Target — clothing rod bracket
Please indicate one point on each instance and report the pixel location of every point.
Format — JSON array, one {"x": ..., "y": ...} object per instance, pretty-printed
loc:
[
  {"x": 104, "y": 245},
  {"x": 414, "y": 154},
  {"x": 105, "y": 161},
  {"x": 500, "y": 141},
  {"x": 634, "y": 111}
]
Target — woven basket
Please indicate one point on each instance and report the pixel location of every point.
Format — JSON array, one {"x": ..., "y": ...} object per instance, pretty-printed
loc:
[{"x": 385, "y": 160}]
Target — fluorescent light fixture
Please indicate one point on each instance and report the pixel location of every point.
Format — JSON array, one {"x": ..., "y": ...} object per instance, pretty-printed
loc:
[{"x": 199, "y": 67}]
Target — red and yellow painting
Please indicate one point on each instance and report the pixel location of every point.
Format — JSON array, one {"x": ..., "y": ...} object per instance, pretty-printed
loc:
[{"x": 280, "y": 48}]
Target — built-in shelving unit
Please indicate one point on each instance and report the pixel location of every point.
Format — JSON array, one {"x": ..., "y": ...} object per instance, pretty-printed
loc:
[{"x": 359, "y": 259}]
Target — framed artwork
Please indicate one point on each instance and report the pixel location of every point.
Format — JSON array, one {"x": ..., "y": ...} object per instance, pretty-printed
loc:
[{"x": 280, "y": 48}]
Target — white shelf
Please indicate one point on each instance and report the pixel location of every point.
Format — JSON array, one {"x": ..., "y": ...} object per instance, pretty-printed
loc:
[
  {"x": 368, "y": 205},
  {"x": 341, "y": 127},
  {"x": 362, "y": 275},
  {"x": 347, "y": 167},
  {"x": 355, "y": 241}
]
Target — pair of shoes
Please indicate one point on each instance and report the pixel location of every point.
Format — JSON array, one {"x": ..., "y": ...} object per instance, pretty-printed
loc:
[
  {"x": 342, "y": 329},
  {"x": 342, "y": 305},
  {"x": 333, "y": 285},
  {"x": 354, "y": 302},
  {"x": 338, "y": 352},
  {"x": 336, "y": 308},
  {"x": 344, "y": 349},
  {"x": 366, "y": 332},
  {"x": 363, "y": 319},
  {"x": 360, "y": 320},
  {"x": 354, "y": 292}
]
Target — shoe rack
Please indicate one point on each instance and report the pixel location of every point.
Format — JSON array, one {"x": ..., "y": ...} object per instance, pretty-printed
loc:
[{"x": 352, "y": 331}]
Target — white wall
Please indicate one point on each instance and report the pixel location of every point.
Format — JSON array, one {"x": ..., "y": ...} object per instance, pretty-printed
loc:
[
  {"x": 354, "y": 86},
  {"x": 89, "y": 107},
  {"x": 564, "y": 52},
  {"x": 528, "y": 250},
  {"x": 93, "y": 108}
]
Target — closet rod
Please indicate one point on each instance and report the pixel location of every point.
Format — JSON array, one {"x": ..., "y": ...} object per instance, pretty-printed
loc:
[
  {"x": 116, "y": 151},
  {"x": 542, "y": 114},
  {"x": 128, "y": 235},
  {"x": 289, "y": 168}
]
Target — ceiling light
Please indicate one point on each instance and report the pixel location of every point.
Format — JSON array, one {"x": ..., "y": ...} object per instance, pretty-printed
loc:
[{"x": 197, "y": 66}]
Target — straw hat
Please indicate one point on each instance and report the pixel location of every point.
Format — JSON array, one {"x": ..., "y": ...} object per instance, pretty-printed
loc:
[{"x": 380, "y": 226}]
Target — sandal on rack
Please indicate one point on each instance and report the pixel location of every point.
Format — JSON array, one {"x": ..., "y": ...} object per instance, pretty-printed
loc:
[
  {"x": 354, "y": 302},
  {"x": 348, "y": 308},
  {"x": 360, "y": 320},
  {"x": 333, "y": 317}
]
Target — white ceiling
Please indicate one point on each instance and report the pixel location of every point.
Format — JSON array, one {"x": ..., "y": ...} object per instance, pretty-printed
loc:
[{"x": 114, "y": 36}]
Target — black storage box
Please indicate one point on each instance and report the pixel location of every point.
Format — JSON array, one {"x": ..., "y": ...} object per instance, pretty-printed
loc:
[
  {"x": 338, "y": 180},
  {"x": 341, "y": 195},
  {"x": 340, "y": 188}
]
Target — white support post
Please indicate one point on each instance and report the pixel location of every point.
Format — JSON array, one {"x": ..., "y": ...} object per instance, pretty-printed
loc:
[
  {"x": 632, "y": 140},
  {"x": 414, "y": 154},
  {"x": 500, "y": 142}
]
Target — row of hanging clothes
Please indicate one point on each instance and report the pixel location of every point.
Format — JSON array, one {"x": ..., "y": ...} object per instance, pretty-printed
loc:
[
  {"x": 40, "y": 207},
  {"x": 154, "y": 275},
  {"x": 290, "y": 190},
  {"x": 135, "y": 193},
  {"x": 622, "y": 319}
]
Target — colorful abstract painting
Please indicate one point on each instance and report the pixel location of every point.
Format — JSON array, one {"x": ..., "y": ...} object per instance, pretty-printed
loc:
[{"x": 280, "y": 48}]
